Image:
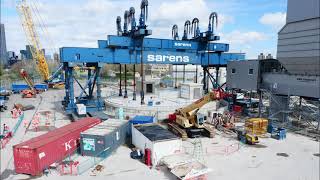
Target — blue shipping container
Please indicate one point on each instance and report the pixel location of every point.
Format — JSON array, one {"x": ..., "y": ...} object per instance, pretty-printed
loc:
[
  {"x": 16, "y": 88},
  {"x": 142, "y": 120}
]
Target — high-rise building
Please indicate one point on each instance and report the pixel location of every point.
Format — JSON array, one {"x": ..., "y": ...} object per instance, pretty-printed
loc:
[
  {"x": 29, "y": 49},
  {"x": 3, "y": 46},
  {"x": 23, "y": 54}
]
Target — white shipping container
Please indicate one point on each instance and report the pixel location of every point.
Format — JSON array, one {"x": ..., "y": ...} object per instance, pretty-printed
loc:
[
  {"x": 191, "y": 90},
  {"x": 160, "y": 141}
]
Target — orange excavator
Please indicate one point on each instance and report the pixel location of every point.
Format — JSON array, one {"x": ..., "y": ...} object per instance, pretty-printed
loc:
[{"x": 31, "y": 92}]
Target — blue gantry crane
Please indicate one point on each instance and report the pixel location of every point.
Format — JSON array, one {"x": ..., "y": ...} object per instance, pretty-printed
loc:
[{"x": 130, "y": 46}]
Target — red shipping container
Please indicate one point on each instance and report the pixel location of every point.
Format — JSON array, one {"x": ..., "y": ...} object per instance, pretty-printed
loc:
[{"x": 35, "y": 155}]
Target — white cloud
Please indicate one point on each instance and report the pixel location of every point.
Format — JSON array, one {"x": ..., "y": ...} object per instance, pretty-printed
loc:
[
  {"x": 275, "y": 20},
  {"x": 169, "y": 13},
  {"x": 244, "y": 38},
  {"x": 82, "y": 23}
]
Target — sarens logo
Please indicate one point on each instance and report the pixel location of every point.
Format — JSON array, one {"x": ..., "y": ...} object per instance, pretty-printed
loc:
[
  {"x": 164, "y": 58},
  {"x": 182, "y": 44}
]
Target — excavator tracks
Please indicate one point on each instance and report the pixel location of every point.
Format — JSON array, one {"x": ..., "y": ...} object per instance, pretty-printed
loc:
[
  {"x": 177, "y": 130},
  {"x": 185, "y": 133},
  {"x": 208, "y": 131}
]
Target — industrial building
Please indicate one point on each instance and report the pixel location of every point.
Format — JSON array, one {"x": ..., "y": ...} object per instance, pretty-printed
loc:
[{"x": 182, "y": 107}]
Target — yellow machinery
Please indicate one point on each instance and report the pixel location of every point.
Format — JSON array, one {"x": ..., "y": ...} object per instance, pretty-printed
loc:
[
  {"x": 27, "y": 18},
  {"x": 33, "y": 39},
  {"x": 257, "y": 126},
  {"x": 188, "y": 123},
  {"x": 187, "y": 116},
  {"x": 253, "y": 128}
]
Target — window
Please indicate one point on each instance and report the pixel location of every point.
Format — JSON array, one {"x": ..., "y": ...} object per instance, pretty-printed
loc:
[
  {"x": 250, "y": 71},
  {"x": 233, "y": 71}
]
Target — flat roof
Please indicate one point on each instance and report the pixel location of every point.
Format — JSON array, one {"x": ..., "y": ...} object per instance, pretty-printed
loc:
[{"x": 156, "y": 132}]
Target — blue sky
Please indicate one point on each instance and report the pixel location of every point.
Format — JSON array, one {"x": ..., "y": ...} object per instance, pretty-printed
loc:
[{"x": 249, "y": 26}]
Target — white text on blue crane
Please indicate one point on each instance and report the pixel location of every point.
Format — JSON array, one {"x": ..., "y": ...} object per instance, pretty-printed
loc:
[{"x": 165, "y": 58}]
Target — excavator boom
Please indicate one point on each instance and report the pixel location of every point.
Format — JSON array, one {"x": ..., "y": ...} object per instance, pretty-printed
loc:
[
  {"x": 186, "y": 111},
  {"x": 188, "y": 124}
]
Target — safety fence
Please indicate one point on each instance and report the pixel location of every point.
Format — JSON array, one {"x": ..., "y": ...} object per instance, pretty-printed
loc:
[
  {"x": 90, "y": 161},
  {"x": 223, "y": 150},
  {"x": 75, "y": 164},
  {"x": 4, "y": 140},
  {"x": 213, "y": 149}
]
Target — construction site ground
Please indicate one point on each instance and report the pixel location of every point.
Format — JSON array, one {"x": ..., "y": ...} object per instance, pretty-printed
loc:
[{"x": 296, "y": 157}]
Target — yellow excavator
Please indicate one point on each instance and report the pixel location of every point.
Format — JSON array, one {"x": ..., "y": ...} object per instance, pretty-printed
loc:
[{"x": 187, "y": 122}]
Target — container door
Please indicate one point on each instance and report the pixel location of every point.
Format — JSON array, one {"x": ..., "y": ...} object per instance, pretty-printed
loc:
[{"x": 25, "y": 161}]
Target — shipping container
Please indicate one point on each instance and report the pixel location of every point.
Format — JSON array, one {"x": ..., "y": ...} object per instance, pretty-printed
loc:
[
  {"x": 103, "y": 139},
  {"x": 191, "y": 91},
  {"x": 141, "y": 120},
  {"x": 35, "y": 155},
  {"x": 159, "y": 140},
  {"x": 16, "y": 88}
]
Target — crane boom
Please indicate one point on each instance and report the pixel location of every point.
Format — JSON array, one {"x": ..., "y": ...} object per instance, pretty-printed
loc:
[
  {"x": 187, "y": 111},
  {"x": 27, "y": 79},
  {"x": 33, "y": 38}
]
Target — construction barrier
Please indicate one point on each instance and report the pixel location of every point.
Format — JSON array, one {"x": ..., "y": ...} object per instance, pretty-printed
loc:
[
  {"x": 91, "y": 162},
  {"x": 223, "y": 150},
  {"x": 7, "y": 137},
  {"x": 75, "y": 164}
]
